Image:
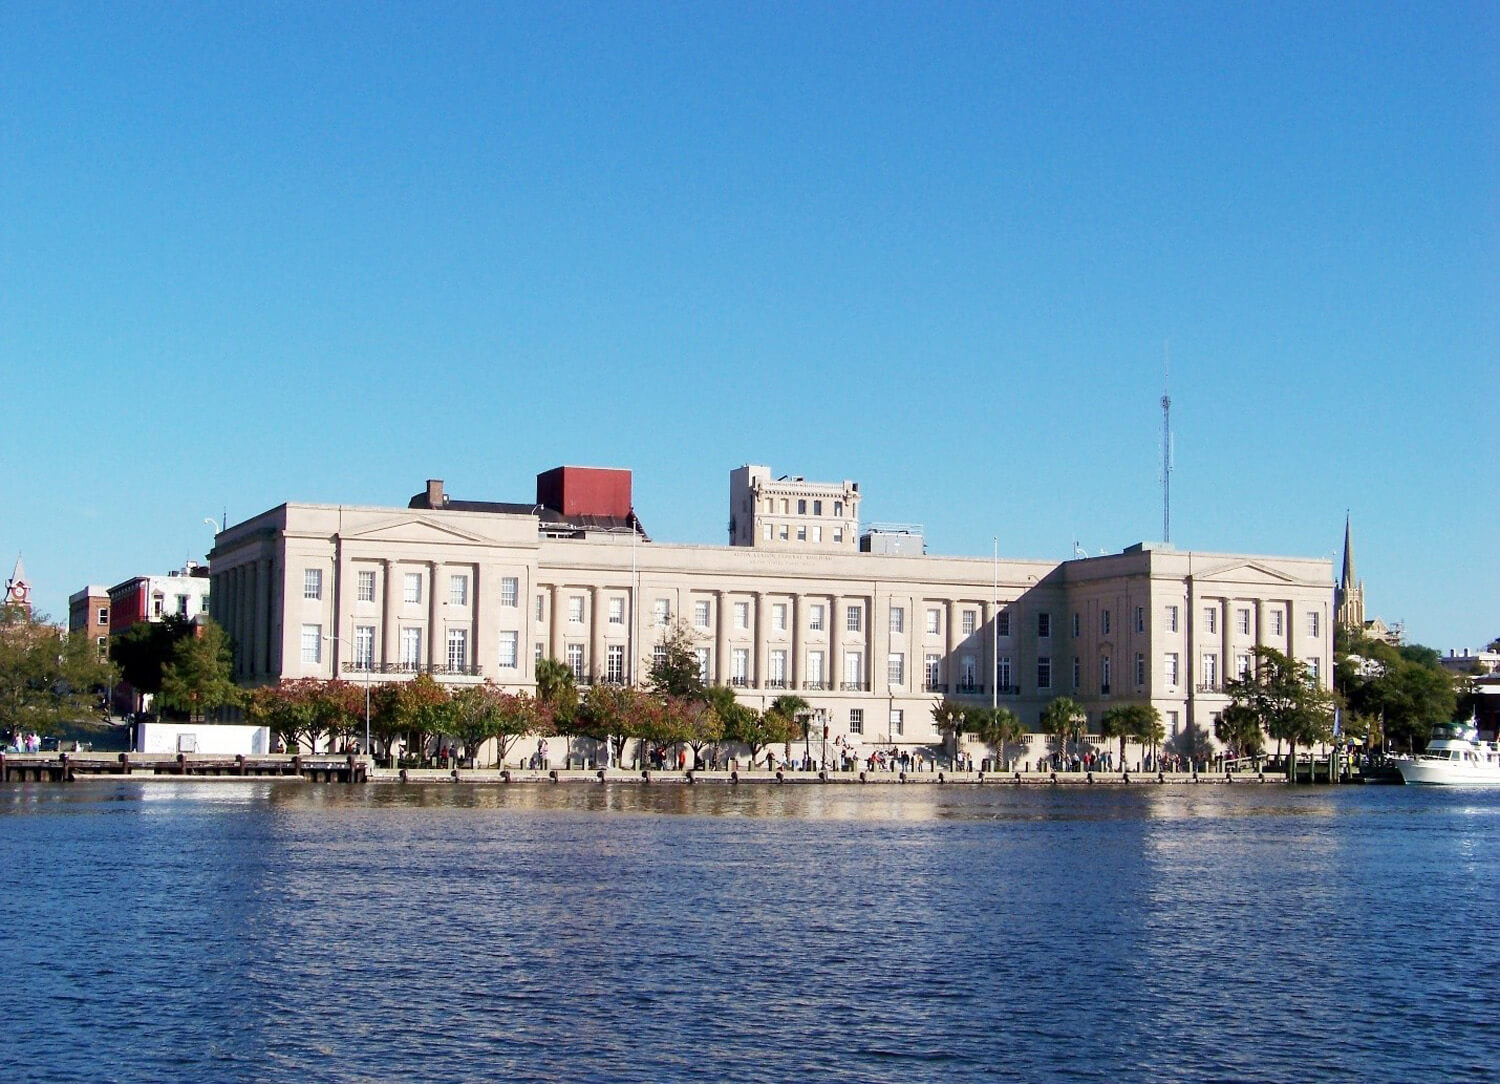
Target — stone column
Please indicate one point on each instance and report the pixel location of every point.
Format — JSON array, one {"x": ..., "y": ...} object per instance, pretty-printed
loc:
[
  {"x": 388, "y": 624},
  {"x": 600, "y": 618},
  {"x": 261, "y": 653},
  {"x": 989, "y": 657},
  {"x": 950, "y": 651},
  {"x": 722, "y": 607},
  {"x": 556, "y": 623},
  {"x": 794, "y": 654},
  {"x": 759, "y": 652},
  {"x": 436, "y": 653}
]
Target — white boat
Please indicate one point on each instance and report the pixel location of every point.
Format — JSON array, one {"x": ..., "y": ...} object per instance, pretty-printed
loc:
[{"x": 1455, "y": 757}]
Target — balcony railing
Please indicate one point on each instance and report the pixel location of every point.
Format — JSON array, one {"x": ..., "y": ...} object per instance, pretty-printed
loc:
[
  {"x": 740, "y": 681},
  {"x": 815, "y": 686},
  {"x": 968, "y": 690},
  {"x": 776, "y": 683},
  {"x": 423, "y": 668},
  {"x": 1210, "y": 687},
  {"x": 853, "y": 687},
  {"x": 935, "y": 687},
  {"x": 1008, "y": 690}
]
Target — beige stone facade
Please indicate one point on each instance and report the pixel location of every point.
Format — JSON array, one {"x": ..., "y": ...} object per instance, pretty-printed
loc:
[{"x": 871, "y": 640}]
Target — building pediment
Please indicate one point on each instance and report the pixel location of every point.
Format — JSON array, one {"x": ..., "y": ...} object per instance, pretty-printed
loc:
[
  {"x": 1242, "y": 571},
  {"x": 416, "y": 530}
]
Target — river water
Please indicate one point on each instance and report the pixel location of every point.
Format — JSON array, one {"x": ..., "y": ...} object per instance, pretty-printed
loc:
[{"x": 290, "y": 931}]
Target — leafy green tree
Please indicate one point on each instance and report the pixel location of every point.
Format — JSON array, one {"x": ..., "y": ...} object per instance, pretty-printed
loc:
[
  {"x": 144, "y": 650},
  {"x": 197, "y": 679},
  {"x": 1280, "y": 696},
  {"x": 702, "y": 726},
  {"x": 557, "y": 688},
  {"x": 951, "y": 719},
  {"x": 1125, "y": 721},
  {"x": 675, "y": 671},
  {"x": 289, "y": 710},
  {"x": 759, "y": 730},
  {"x": 476, "y": 716},
  {"x": 1238, "y": 727},
  {"x": 1064, "y": 719},
  {"x": 414, "y": 710},
  {"x": 614, "y": 714},
  {"x": 46, "y": 676},
  {"x": 1406, "y": 690}
]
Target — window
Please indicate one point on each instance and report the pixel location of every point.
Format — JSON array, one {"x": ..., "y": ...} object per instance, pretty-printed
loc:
[
  {"x": 1140, "y": 668},
  {"x": 768, "y": 532},
  {"x": 1313, "y": 669},
  {"x": 931, "y": 666},
  {"x": 968, "y": 677},
  {"x": 801, "y": 534},
  {"x": 784, "y": 506},
  {"x": 782, "y": 534},
  {"x": 742, "y": 615},
  {"x": 817, "y": 508},
  {"x": 1210, "y": 619},
  {"x": 182, "y": 605},
  {"x": 898, "y": 722},
  {"x": 509, "y": 653},
  {"x": 541, "y": 607},
  {"x": 969, "y": 622},
  {"x": 659, "y": 656},
  {"x": 458, "y": 590},
  {"x": 815, "y": 617},
  {"x": 817, "y": 535},
  {"x": 1171, "y": 618},
  {"x": 1077, "y": 671},
  {"x": 1140, "y": 619},
  {"x": 1002, "y": 673},
  {"x": 103, "y": 645},
  {"x": 778, "y": 669},
  {"x": 510, "y": 591},
  {"x": 536, "y": 651},
  {"x": 661, "y": 611},
  {"x": 366, "y": 586},
  {"x": 838, "y": 508},
  {"x": 458, "y": 650},
  {"x": 703, "y": 664},
  {"x": 934, "y": 621},
  {"x": 1043, "y": 631},
  {"x": 838, "y": 534},
  {"x": 856, "y": 720},
  {"x": 802, "y": 507},
  {"x": 1242, "y": 665},
  {"x": 575, "y": 609},
  {"x": 1002, "y": 623},
  {"x": 1312, "y": 622},
  {"x": 1104, "y": 674},
  {"x": 895, "y": 668},
  {"x": 1170, "y": 670},
  {"x": 898, "y": 619},
  {"x": 1242, "y": 622},
  {"x": 1276, "y": 626},
  {"x": 854, "y": 671},
  {"x": 617, "y": 611},
  {"x": 1075, "y": 624},
  {"x": 312, "y": 643},
  {"x": 103, "y": 615},
  {"x": 1103, "y": 622},
  {"x": 700, "y": 613},
  {"x": 411, "y": 649},
  {"x": 1172, "y": 728},
  {"x": 364, "y": 647},
  {"x": 312, "y": 583},
  {"x": 156, "y": 605},
  {"x": 1210, "y": 671},
  {"x": 1044, "y": 672},
  {"x": 739, "y": 666},
  {"x": 575, "y": 661},
  {"x": 614, "y": 664},
  {"x": 778, "y": 617},
  {"x": 854, "y": 618},
  {"x": 815, "y": 677},
  {"x": 411, "y": 587}
]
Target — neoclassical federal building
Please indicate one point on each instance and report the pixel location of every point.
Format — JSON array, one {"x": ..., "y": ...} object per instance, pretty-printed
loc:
[{"x": 862, "y": 623}]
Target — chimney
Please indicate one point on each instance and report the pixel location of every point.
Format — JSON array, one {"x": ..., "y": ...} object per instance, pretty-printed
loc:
[{"x": 435, "y": 498}]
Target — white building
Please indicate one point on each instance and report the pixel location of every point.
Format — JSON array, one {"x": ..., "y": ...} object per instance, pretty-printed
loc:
[{"x": 871, "y": 637}]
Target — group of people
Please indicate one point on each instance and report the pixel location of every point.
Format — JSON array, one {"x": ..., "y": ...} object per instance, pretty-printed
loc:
[{"x": 29, "y": 742}]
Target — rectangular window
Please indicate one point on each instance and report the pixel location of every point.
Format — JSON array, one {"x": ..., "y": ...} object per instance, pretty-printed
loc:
[
  {"x": 700, "y": 613},
  {"x": 541, "y": 607},
  {"x": 1210, "y": 619},
  {"x": 1276, "y": 626},
  {"x": 856, "y": 720},
  {"x": 778, "y": 617},
  {"x": 510, "y": 591},
  {"x": 458, "y": 650},
  {"x": 312, "y": 583},
  {"x": 1242, "y": 621},
  {"x": 659, "y": 656},
  {"x": 509, "y": 649},
  {"x": 617, "y": 611},
  {"x": 536, "y": 651},
  {"x": 1313, "y": 669},
  {"x": 895, "y": 668},
  {"x": 1002, "y": 673},
  {"x": 1242, "y": 665},
  {"x": 366, "y": 586},
  {"x": 156, "y": 605},
  {"x": 782, "y": 534},
  {"x": 312, "y": 643},
  {"x": 575, "y": 609},
  {"x": 934, "y": 621},
  {"x": 1140, "y": 619},
  {"x": 739, "y": 666},
  {"x": 801, "y": 507},
  {"x": 703, "y": 664},
  {"x": 1044, "y": 672},
  {"x": 1171, "y": 618},
  {"x": 458, "y": 590},
  {"x": 969, "y": 622},
  {"x": 102, "y": 643},
  {"x": 1312, "y": 623},
  {"x": 838, "y": 508},
  {"x": 817, "y": 535},
  {"x": 1170, "y": 670},
  {"x": 768, "y": 532},
  {"x": 815, "y": 677},
  {"x": 103, "y": 615},
  {"x": 742, "y": 615},
  {"x": 1002, "y": 623},
  {"x": 1104, "y": 674},
  {"x": 968, "y": 677},
  {"x": 1140, "y": 668},
  {"x": 817, "y": 508},
  {"x": 182, "y": 605},
  {"x": 778, "y": 669},
  {"x": 1077, "y": 671},
  {"x": 931, "y": 665},
  {"x": 411, "y": 649},
  {"x": 1043, "y": 631},
  {"x": 575, "y": 661},
  {"x": 1075, "y": 624},
  {"x": 854, "y": 671},
  {"x": 898, "y": 619},
  {"x": 614, "y": 664},
  {"x": 898, "y": 722},
  {"x": 801, "y": 534},
  {"x": 364, "y": 647},
  {"x": 838, "y": 534},
  {"x": 1103, "y": 622},
  {"x": 815, "y": 617},
  {"x": 854, "y": 618},
  {"x": 1172, "y": 726},
  {"x": 1210, "y": 672},
  {"x": 411, "y": 587},
  {"x": 662, "y": 611}
]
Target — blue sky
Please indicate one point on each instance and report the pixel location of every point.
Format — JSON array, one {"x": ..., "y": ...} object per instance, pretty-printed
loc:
[{"x": 267, "y": 252}]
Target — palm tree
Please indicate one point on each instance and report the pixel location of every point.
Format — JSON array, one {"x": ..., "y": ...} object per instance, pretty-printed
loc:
[
  {"x": 1130, "y": 721},
  {"x": 1064, "y": 719},
  {"x": 996, "y": 727},
  {"x": 793, "y": 708}
]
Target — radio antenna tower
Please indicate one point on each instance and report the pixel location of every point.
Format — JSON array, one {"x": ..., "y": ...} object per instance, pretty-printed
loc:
[{"x": 1166, "y": 446}]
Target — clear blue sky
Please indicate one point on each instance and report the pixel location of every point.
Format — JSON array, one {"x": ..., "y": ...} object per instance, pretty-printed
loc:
[{"x": 252, "y": 253}]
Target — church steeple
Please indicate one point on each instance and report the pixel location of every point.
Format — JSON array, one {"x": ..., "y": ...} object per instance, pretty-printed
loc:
[
  {"x": 18, "y": 587},
  {"x": 1350, "y": 596}
]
